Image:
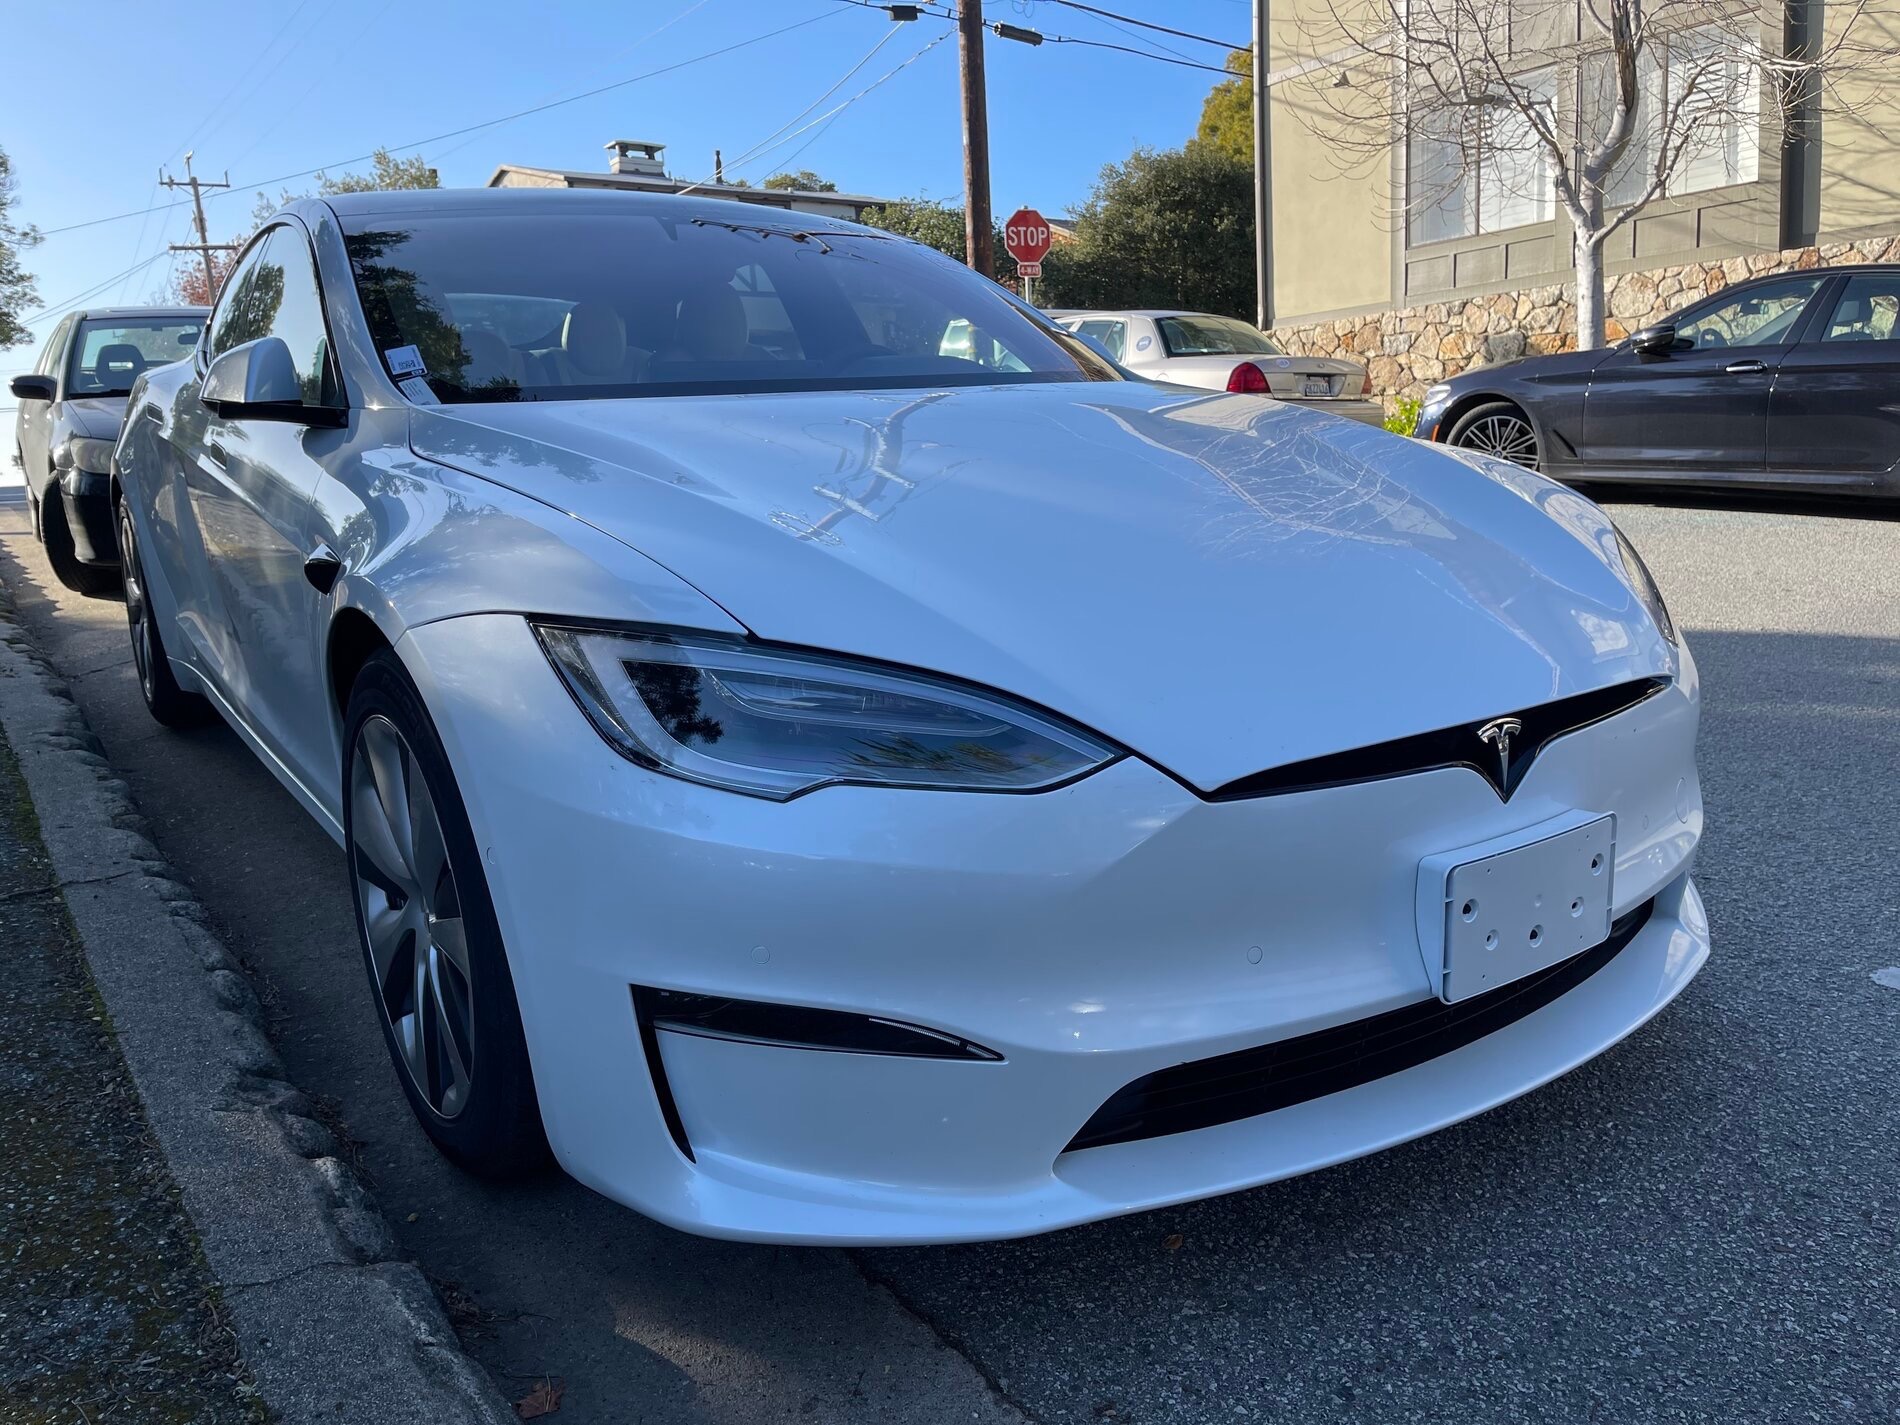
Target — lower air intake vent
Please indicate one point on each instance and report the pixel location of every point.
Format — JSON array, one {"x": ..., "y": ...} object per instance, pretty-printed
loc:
[{"x": 1249, "y": 1082}]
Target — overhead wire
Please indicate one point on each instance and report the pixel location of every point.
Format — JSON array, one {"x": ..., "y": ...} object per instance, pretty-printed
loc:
[
  {"x": 833, "y": 113},
  {"x": 745, "y": 156},
  {"x": 466, "y": 128},
  {"x": 1146, "y": 24}
]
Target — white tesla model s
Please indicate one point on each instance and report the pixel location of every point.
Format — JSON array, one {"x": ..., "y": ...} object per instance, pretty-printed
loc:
[{"x": 823, "y": 751}]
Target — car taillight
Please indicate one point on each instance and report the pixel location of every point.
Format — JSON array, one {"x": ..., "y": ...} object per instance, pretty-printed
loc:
[{"x": 1248, "y": 378}]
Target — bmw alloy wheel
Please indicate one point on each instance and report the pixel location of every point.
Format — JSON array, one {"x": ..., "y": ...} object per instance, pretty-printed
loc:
[
  {"x": 1504, "y": 434},
  {"x": 412, "y": 917}
]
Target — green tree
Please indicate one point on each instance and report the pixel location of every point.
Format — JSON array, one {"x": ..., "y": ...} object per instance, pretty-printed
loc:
[
  {"x": 803, "y": 181},
  {"x": 1167, "y": 229},
  {"x": 386, "y": 174},
  {"x": 937, "y": 225},
  {"x": 933, "y": 224},
  {"x": 1227, "y": 112},
  {"x": 17, "y": 289}
]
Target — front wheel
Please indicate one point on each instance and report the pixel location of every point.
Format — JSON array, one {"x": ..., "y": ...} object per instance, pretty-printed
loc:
[
  {"x": 1499, "y": 428},
  {"x": 437, "y": 967},
  {"x": 94, "y": 581}
]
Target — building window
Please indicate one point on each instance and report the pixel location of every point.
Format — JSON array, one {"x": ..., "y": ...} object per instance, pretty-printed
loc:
[
  {"x": 1714, "y": 79},
  {"x": 1478, "y": 170}
]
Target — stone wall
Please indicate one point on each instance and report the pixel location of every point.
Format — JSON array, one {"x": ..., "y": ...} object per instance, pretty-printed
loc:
[{"x": 1405, "y": 350}]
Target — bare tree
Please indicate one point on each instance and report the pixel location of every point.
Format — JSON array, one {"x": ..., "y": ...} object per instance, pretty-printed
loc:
[{"x": 1509, "y": 110}]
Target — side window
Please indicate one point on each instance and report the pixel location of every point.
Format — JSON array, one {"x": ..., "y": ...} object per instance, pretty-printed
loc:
[
  {"x": 49, "y": 354},
  {"x": 1867, "y": 310},
  {"x": 236, "y": 319},
  {"x": 298, "y": 312},
  {"x": 1762, "y": 316},
  {"x": 1112, "y": 335},
  {"x": 274, "y": 293}
]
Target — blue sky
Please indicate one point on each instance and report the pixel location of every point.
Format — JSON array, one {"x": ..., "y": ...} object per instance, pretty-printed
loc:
[{"x": 98, "y": 95}]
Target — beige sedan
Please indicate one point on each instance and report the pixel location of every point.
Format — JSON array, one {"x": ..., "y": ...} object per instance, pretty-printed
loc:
[{"x": 1225, "y": 354}]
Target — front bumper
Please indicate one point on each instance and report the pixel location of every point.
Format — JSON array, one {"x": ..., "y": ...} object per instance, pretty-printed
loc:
[
  {"x": 87, "y": 499},
  {"x": 1089, "y": 936}
]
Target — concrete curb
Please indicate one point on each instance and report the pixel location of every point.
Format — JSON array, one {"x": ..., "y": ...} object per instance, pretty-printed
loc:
[{"x": 332, "y": 1323}]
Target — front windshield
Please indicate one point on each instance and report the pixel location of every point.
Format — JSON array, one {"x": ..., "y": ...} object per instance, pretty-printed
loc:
[
  {"x": 109, "y": 353},
  {"x": 575, "y": 306},
  {"x": 1212, "y": 336}
]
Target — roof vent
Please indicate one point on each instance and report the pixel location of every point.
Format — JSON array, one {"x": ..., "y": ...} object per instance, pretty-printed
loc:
[{"x": 636, "y": 156}]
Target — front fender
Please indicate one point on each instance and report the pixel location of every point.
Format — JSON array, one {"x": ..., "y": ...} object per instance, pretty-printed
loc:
[{"x": 420, "y": 542}]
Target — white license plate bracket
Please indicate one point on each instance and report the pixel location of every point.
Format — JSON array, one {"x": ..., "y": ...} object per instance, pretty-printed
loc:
[
  {"x": 1500, "y": 910},
  {"x": 1316, "y": 386}
]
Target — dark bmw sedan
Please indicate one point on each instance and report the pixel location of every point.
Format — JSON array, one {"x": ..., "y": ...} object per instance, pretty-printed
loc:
[{"x": 1787, "y": 382}]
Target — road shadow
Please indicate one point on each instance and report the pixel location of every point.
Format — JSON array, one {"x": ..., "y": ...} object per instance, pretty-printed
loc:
[{"x": 1765, "y": 502}]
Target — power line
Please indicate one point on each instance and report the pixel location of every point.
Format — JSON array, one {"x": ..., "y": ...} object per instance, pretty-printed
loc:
[
  {"x": 768, "y": 142},
  {"x": 484, "y": 124},
  {"x": 1145, "y": 24},
  {"x": 834, "y": 112},
  {"x": 1036, "y": 37},
  {"x": 1145, "y": 54},
  {"x": 59, "y": 309}
]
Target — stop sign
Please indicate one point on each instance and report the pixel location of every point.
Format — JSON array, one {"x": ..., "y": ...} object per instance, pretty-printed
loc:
[{"x": 1026, "y": 235}]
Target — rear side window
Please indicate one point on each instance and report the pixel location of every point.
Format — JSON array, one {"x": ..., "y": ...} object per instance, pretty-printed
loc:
[
  {"x": 1867, "y": 310},
  {"x": 1112, "y": 335}
]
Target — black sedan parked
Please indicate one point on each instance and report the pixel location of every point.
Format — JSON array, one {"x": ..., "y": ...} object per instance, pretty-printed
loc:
[
  {"x": 71, "y": 407},
  {"x": 1787, "y": 382}
]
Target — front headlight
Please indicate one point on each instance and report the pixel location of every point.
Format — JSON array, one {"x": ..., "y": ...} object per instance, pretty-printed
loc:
[
  {"x": 1435, "y": 394},
  {"x": 774, "y": 723},
  {"x": 81, "y": 452},
  {"x": 1644, "y": 583}
]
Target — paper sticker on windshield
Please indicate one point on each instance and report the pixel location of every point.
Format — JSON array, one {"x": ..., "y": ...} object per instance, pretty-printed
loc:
[
  {"x": 417, "y": 390},
  {"x": 405, "y": 361}
]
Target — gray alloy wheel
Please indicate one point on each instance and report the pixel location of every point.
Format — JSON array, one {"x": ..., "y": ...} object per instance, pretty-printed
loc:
[
  {"x": 1502, "y": 430},
  {"x": 412, "y": 917}
]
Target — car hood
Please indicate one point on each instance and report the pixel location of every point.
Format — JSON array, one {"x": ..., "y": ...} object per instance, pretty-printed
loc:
[
  {"x": 1220, "y": 583},
  {"x": 96, "y": 416},
  {"x": 1532, "y": 368}
]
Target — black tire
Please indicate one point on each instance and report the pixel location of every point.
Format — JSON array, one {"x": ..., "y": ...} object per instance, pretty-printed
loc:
[
  {"x": 88, "y": 579},
  {"x": 168, "y": 703},
  {"x": 1501, "y": 429},
  {"x": 495, "y": 1129}
]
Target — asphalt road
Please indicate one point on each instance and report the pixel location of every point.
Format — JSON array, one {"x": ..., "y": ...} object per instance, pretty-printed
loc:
[{"x": 1700, "y": 1225}]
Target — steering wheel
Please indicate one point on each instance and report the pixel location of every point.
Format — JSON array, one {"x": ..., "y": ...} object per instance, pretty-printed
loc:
[{"x": 1712, "y": 338}]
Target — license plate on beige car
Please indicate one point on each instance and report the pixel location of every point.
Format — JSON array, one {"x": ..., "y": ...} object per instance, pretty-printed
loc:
[
  {"x": 1317, "y": 386},
  {"x": 1493, "y": 913}
]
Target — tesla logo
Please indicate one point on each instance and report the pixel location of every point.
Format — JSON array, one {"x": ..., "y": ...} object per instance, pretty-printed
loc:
[{"x": 1499, "y": 733}]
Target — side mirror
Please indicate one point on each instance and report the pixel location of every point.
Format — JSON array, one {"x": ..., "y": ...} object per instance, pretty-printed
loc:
[
  {"x": 1658, "y": 340},
  {"x": 257, "y": 381},
  {"x": 34, "y": 388}
]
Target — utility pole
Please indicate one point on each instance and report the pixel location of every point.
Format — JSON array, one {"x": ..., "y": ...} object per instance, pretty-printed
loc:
[
  {"x": 979, "y": 232},
  {"x": 204, "y": 247},
  {"x": 1262, "y": 171}
]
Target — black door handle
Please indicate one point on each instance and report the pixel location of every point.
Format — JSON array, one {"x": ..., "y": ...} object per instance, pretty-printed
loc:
[
  {"x": 1744, "y": 368},
  {"x": 322, "y": 568}
]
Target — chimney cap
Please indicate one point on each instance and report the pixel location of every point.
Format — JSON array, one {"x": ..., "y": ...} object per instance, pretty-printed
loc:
[{"x": 626, "y": 146}]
